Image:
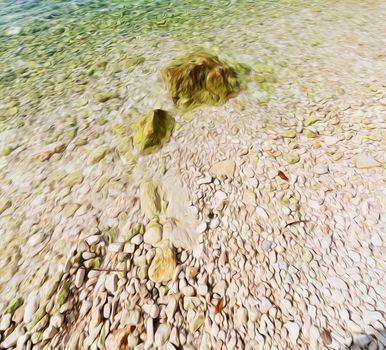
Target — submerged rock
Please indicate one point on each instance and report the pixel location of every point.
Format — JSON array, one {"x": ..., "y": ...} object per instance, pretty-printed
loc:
[
  {"x": 151, "y": 198},
  {"x": 163, "y": 265},
  {"x": 4, "y": 204},
  {"x": 200, "y": 78},
  {"x": 152, "y": 131},
  {"x": 98, "y": 154},
  {"x": 105, "y": 96},
  {"x": 7, "y": 150}
]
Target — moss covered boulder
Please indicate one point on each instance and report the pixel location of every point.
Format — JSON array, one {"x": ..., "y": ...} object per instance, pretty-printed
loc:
[
  {"x": 200, "y": 78},
  {"x": 152, "y": 131}
]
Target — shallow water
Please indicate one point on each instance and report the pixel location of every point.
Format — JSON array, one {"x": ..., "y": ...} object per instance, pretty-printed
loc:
[
  {"x": 325, "y": 61},
  {"x": 50, "y": 50}
]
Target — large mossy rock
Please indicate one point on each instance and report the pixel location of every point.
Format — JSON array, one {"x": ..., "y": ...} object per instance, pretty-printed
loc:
[
  {"x": 152, "y": 131},
  {"x": 200, "y": 78}
]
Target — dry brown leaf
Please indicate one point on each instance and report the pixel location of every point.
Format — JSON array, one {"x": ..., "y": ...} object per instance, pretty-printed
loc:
[
  {"x": 120, "y": 338},
  {"x": 282, "y": 176},
  {"x": 325, "y": 334},
  {"x": 219, "y": 306}
]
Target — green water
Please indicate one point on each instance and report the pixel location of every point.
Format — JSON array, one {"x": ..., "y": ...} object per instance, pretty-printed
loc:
[
  {"x": 53, "y": 52},
  {"x": 51, "y": 48}
]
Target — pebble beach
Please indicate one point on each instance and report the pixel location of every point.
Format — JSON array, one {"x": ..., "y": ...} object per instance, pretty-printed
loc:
[{"x": 259, "y": 223}]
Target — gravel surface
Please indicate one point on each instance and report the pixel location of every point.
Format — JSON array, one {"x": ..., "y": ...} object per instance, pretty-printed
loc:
[{"x": 259, "y": 225}]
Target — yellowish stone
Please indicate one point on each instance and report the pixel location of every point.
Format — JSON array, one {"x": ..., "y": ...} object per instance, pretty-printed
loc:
[
  {"x": 223, "y": 168},
  {"x": 151, "y": 201},
  {"x": 290, "y": 134},
  {"x": 197, "y": 321},
  {"x": 308, "y": 133},
  {"x": 72, "y": 179},
  {"x": 163, "y": 265}
]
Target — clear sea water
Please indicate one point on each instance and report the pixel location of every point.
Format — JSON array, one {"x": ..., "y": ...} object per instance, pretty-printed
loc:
[{"x": 50, "y": 49}]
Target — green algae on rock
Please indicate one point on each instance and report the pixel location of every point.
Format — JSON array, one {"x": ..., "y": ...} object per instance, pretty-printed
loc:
[
  {"x": 7, "y": 150},
  {"x": 309, "y": 133},
  {"x": 137, "y": 229},
  {"x": 200, "y": 78},
  {"x": 72, "y": 179},
  {"x": 4, "y": 204},
  {"x": 152, "y": 131},
  {"x": 311, "y": 120},
  {"x": 151, "y": 198},
  {"x": 290, "y": 134},
  {"x": 69, "y": 209},
  {"x": 62, "y": 295},
  {"x": 105, "y": 96},
  {"x": 13, "y": 305},
  {"x": 292, "y": 158},
  {"x": 98, "y": 154}
]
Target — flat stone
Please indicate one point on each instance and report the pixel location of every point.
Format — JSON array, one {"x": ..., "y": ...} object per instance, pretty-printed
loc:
[
  {"x": 293, "y": 332},
  {"x": 262, "y": 213},
  {"x": 292, "y": 158},
  {"x": 98, "y": 154},
  {"x": 337, "y": 283},
  {"x": 154, "y": 311},
  {"x": 49, "y": 333},
  {"x": 223, "y": 168},
  {"x": 205, "y": 180},
  {"x": 220, "y": 287},
  {"x": 93, "y": 239},
  {"x": 130, "y": 317},
  {"x": 30, "y": 307},
  {"x": 70, "y": 209},
  {"x": 149, "y": 333},
  {"x": 57, "y": 320},
  {"x": 370, "y": 317},
  {"x": 35, "y": 239},
  {"x": 171, "y": 308},
  {"x": 115, "y": 247},
  {"x": 376, "y": 240},
  {"x": 196, "y": 322},
  {"x": 153, "y": 234},
  {"x": 188, "y": 291},
  {"x": 290, "y": 133},
  {"x": 137, "y": 239},
  {"x": 162, "y": 334},
  {"x": 242, "y": 316},
  {"x": 201, "y": 227},
  {"x": 265, "y": 305},
  {"x": 5, "y": 322},
  {"x": 72, "y": 179},
  {"x": 365, "y": 161},
  {"x": 266, "y": 245},
  {"x": 11, "y": 340},
  {"x": 111, "y": 283},
  {"x": 330, "y": 140},
  {"x": 321, "y": 169},
  {"x": 13, "y": 305}
]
